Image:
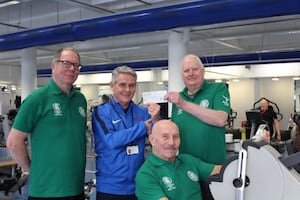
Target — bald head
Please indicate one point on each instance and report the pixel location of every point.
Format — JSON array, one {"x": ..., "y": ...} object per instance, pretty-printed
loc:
[
  {"x": 163, "y": 125},
  {"x": 264, "y": 104},
  {"x": 165, "y": 140}
]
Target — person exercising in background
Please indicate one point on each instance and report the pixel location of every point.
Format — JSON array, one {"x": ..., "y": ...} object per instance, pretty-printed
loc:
[{"x": 270, "y": 117}]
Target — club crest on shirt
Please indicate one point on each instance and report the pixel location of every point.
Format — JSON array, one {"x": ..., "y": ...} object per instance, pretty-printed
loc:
[
  {"x": 81, "y": 111},
  {"x": 57, "y": 109},
  {"x": 225, "y": 101},
  {"x": 168, "y": 182},
  {"x": 179, "y": 112},
  {"x": 204, "y": 103},
  {"x": 192, "y": 176}
]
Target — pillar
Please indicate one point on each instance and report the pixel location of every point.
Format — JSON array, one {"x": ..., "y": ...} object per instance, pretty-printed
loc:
[
  {"x": 176, "y": 51},
  {"x": 28, "y": 71}
]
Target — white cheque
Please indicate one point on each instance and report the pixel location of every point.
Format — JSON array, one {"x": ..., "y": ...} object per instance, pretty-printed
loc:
[{"x": 154, "y": 96}]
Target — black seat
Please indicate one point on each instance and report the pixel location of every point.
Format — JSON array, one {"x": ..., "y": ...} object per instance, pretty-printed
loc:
[{"x": 285, "y": 135}]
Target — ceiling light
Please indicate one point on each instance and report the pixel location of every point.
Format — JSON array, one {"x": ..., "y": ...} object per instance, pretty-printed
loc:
[
  {"x": 13, "y": 88},
  {"x": 296, "y": 78},
  {"x": 8, "y": 3},
  {"x": 275, "y": 79}
]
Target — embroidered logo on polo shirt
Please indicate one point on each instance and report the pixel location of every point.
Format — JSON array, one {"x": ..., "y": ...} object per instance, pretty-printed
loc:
[
  {"x": 56, "y": 109},
  {"x": 204, "y": 103},
  {"x": 81, "y": 111},
  {"x": 225, "y": 101},
  {"x": 192, "y": 176},
  {"x": 168, "y": 182},
  {"x": 179, "y": 112}
]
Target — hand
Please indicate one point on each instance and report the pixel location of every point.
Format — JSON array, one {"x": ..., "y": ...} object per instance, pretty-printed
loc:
[
  {"x": 154, "y": 111},
  {"x": 174, "y": 97},
  {"x": 278, "y": 137}
]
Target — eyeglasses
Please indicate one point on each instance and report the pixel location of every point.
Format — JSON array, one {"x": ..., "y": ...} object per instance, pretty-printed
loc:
[{"x": 68, "y": 64}]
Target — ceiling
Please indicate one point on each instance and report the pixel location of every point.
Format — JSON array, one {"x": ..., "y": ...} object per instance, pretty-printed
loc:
[{"x": 250, "y": 36}]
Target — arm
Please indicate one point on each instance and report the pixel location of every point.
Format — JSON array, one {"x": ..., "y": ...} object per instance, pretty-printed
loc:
[
  {"x": 154, "y": 112},
  {"x": 216, "y": 169},
  {"x": 209, "y": 116},
  {"x": 18, "y": 148}
]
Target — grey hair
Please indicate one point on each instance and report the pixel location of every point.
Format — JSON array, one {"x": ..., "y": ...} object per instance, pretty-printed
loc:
[
  {"x": 59, "y": 52},
  {"x": 122, "y": 70},
  {"x": 194, "y": 57}
]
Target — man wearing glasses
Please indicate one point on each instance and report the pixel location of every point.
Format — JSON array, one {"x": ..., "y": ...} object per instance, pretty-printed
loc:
[{"x": 54, "y": 117}]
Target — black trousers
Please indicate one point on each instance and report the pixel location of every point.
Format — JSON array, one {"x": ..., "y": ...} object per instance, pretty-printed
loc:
[
  {"x": 105, "y": 196},
  {"x": 77, "y": 197},
  {"x": 205, "y": 190}
]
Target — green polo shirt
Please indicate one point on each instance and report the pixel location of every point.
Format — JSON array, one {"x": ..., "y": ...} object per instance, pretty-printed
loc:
[
  {"x": 158, "y": 178},
  {"x": 56, "y": 123},
  {"x": 199, "y": 139}
]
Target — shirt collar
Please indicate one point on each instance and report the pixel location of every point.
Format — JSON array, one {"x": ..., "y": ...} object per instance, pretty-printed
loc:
[
  {"x": 56, "y": 90},
  {"x": 114, "y": 103},
  {"x": 155, "y": 160},
  {"x": 203, "y": 85}
]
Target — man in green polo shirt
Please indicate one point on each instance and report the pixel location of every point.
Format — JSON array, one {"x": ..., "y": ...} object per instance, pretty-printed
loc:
[
  {"x": 54, "y": 117},
  {"x": 201, "y": 111},
  {"x": 166, "y": 175}
]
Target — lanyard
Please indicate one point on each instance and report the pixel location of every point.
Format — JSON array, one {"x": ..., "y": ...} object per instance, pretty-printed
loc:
[{"x": 123, "y": 122}]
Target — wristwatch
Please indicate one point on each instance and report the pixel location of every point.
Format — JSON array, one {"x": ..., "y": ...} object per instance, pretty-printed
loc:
[{"x": 25, "y": 173}]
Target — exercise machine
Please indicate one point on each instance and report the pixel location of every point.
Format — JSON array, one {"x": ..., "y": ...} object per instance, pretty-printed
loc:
[{"x": 257, "y": 172}]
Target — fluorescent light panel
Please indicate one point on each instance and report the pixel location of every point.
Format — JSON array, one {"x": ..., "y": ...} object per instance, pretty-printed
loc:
[
  {"x": 275, "y": 79},
  {"x": 8, "y": 3}
]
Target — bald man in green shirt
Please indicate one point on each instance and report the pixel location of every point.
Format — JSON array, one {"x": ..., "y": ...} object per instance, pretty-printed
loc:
[{"x": 165, "y": 175}]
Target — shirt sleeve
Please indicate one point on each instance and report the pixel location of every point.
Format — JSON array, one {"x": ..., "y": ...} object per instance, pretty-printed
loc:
[
  {"x": 273, "y": 113},
  {"x": 28, "y": 114},
  {"x": 222, "y": 98},
  {"x": 204, "y": 168},
  {"x": 148, "y": 186}
]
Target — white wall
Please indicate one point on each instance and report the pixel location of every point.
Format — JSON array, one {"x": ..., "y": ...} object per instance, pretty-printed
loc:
[
  {"x": 10, "y": 75},
  {"x": 242, "y": 97},
  {"x": 90, "y": 92}
]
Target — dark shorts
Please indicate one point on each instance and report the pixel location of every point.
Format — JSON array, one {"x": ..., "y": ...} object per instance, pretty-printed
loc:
[{"x": 105, "y": 196}]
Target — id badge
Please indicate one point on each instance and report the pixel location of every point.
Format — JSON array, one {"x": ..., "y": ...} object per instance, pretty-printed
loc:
[{"x": 131, "y": 150}]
